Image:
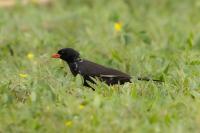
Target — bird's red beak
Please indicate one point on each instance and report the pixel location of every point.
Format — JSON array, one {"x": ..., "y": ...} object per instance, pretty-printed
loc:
[{"x": 55, "y": 56}]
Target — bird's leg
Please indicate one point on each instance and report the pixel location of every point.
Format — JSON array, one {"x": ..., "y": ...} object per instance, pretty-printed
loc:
[{"x": 85, "y": 83}]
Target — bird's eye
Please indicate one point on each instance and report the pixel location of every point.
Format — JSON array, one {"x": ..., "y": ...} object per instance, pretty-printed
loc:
[{"x": 61, "y": 52}]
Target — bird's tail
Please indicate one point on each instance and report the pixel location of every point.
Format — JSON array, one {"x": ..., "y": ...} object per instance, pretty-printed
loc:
[{"x": 149, "y": 79}]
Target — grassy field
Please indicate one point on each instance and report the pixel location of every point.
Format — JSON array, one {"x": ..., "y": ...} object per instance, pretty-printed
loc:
[{"x": 157, "y": 38}]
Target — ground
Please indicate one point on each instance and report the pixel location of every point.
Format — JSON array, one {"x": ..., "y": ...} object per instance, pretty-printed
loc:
[{"x": 157, "y": 38}]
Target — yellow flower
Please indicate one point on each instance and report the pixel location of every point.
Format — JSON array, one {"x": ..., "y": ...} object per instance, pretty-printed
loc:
[
  {"x": 118, "y": 26},
  {"x": 23, "y": 75},
  {"x": 68, "y": 123},
  {"x": 48, "y": 108},
  {"x": 81, "y": 106},
  {"x": 30, "y": 56},
  {"x": 91, "y": 117}
]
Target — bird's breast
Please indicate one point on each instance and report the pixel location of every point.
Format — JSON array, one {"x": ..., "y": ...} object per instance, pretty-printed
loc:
[{"x": 74, "y": 68}]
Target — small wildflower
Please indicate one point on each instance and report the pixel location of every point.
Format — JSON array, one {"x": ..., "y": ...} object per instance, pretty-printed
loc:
[
  {"x": 23, "y": 75},
  {"x": 91, "y": 117},
  {"x": 68, "y": 123},
  {"x": 81, "y": 106},
  {"x": 48, "y": 108},
  {"x": 118, "y": 26},
  {"x": 30, "y": 56}
]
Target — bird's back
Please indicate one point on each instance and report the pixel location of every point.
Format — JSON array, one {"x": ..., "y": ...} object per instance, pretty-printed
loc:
[{"x": 109, "y": 75}]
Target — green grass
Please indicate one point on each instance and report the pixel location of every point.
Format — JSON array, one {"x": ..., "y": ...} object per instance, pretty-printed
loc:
[{"x": 159, "y": 38}]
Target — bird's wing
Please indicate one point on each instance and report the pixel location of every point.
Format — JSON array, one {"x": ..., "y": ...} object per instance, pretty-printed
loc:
[{"x": 92, "y": 69}]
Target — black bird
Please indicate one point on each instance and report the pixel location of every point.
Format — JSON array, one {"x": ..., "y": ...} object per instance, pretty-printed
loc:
[{"x": 90, "y": 70}]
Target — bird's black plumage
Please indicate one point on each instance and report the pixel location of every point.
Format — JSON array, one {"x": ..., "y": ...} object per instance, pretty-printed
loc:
[{"x": 90, "y": 70}]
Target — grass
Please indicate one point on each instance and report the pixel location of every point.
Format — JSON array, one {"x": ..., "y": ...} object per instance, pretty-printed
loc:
[{"x": 158, "y": 38}]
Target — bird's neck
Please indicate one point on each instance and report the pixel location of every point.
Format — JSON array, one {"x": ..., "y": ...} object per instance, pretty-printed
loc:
[
  {"x": 71, "y": 61},
  {"x": 79, "y": 59}
]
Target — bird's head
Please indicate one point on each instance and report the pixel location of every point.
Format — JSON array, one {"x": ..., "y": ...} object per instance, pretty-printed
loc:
[{"x": 67, "y": 54}]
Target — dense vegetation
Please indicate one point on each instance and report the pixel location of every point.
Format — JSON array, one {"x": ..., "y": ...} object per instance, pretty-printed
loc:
[{"x": 157, "y": 38}]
